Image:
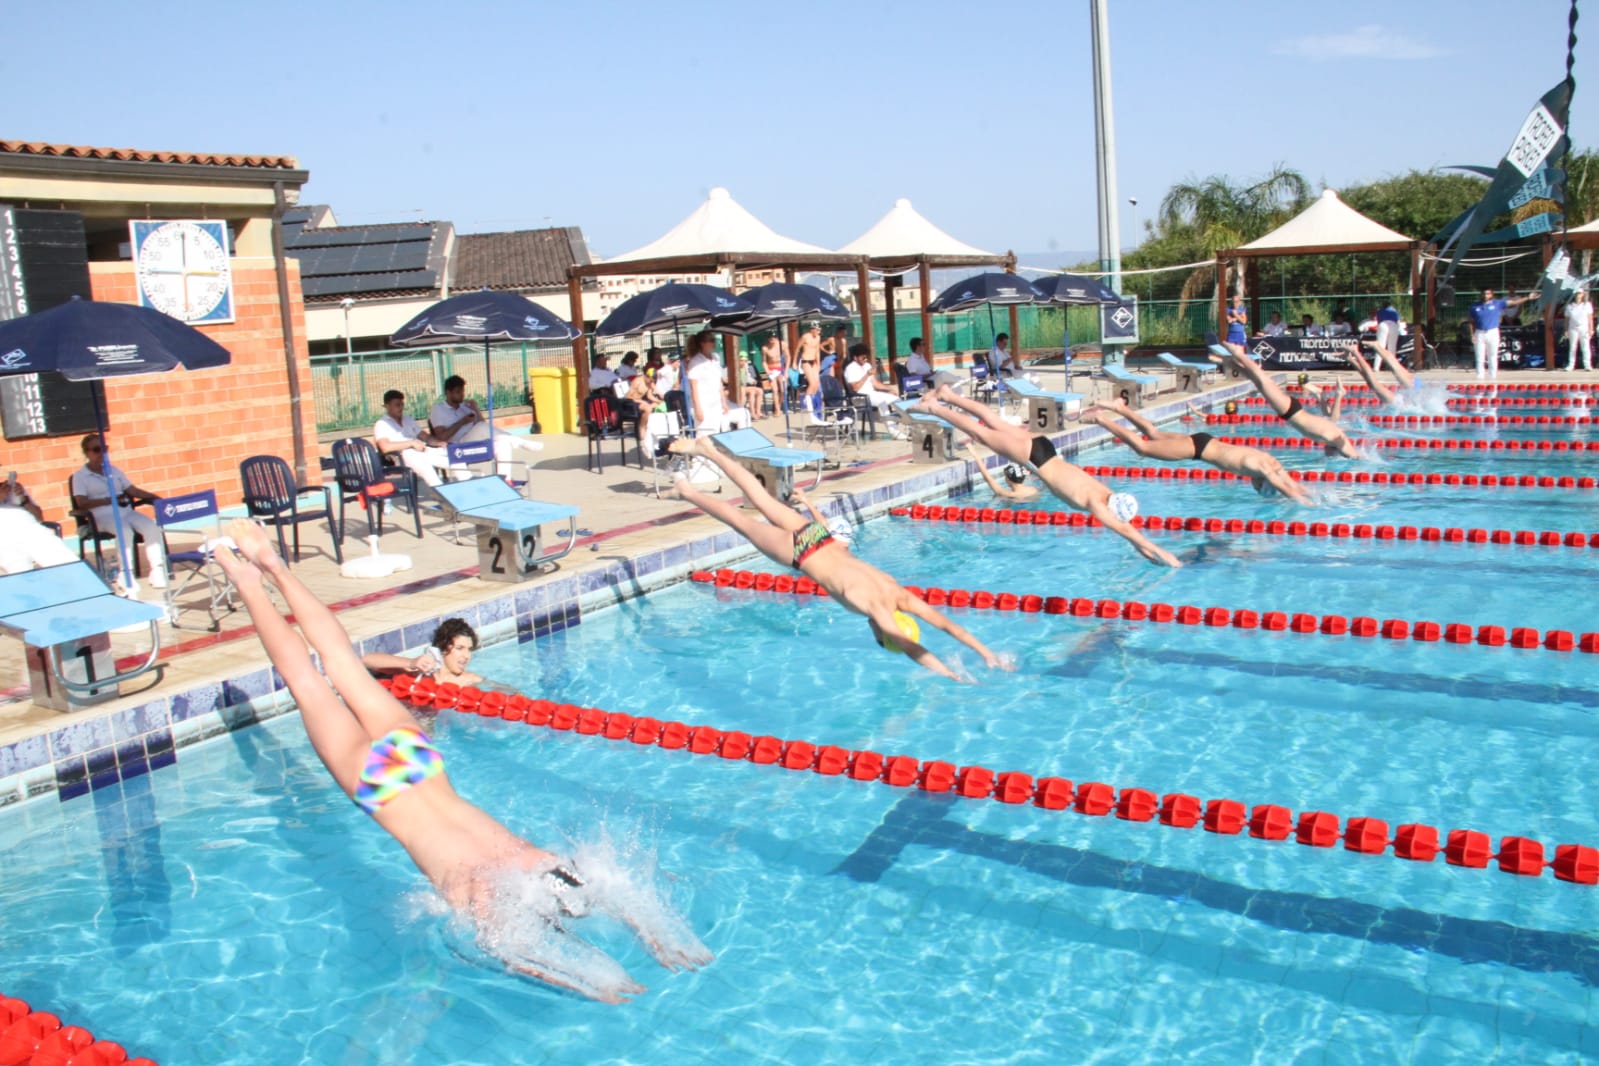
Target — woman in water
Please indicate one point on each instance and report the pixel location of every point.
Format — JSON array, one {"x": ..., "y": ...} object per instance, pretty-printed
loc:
[
  {"x": 446, "y": 659},
  {"x": 514, "y": 893}
]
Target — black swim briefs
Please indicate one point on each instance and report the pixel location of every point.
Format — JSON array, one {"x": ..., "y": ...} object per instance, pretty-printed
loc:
[
  {"x": 1043, "y": 451},
  {"x": 1294, "y": 407},
  {"x": 1201, "y": 442}
]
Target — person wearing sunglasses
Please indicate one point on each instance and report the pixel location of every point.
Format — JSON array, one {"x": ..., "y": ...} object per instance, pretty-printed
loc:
[{"x": 97, "y": 486}]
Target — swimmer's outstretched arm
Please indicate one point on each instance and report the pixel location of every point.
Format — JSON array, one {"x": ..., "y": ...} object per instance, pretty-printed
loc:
[
  {"x": 1405, "y": 378},
  {"x": 1145, "y": 547},
  {"x": 1383, "y": 392},
  {"x": 382, "y": 663},
  {"x": 914, "y": 605},
  {"x": 998, "y": 489},
  {"x": 805, "y": 502}
]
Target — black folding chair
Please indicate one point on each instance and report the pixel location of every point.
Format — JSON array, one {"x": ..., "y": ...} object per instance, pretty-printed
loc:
[
  {"x": 90, "y": 534},
  {"x": 271, "y": 494}
]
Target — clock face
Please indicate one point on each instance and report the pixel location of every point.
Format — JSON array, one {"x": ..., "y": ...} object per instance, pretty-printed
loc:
[{"x": 183, "y": 269}]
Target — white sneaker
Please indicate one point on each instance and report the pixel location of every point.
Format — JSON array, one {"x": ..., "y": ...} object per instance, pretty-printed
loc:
[{"x": 158, "y": 578}]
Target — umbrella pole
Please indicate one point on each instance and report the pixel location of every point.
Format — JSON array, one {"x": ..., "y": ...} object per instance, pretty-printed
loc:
[
  {"x": 682, "y": 382},
  {"x": 488, "y": 385},
  {"x": 780, "y": 391},
  {"x": 130, "y": 584}
]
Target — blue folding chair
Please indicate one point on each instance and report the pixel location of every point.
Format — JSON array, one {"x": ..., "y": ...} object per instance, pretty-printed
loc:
[{"x": 190, "y": 565}]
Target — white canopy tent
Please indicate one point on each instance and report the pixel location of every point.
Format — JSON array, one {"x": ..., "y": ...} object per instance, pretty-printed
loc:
[
  {"x": 719, "y": 235},
  {"x": 902, "y": 241}
]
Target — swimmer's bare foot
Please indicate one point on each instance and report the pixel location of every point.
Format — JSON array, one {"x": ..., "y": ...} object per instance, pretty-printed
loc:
[
  {"x": 944, "y": 392},
  {"x": 241, "y": 571},
  {"x": 254, "y": 546},
  {"x": 685, "y": 446}
]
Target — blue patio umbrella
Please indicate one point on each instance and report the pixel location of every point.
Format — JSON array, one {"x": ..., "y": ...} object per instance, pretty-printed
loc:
[
  {"x": 84, "y": 340},
  {"x": 1075, "y": 289},
  {"x": 1006, "y": 290},
  {"x": 484, "y": 316},
  {"x": 674, "y": 304},
  {"x": 781, "y": 302}
]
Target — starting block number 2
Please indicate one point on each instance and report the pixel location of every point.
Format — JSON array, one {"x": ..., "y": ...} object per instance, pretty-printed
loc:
[{"x": 527, "y": 550}]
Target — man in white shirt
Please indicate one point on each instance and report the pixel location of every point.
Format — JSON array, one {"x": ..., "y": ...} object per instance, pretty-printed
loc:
[
  {"x": 97, "y": 486},
  {"x": 24, "y": 543},
  {"x": 629, "y": 368},
  {"x": 1308, "y": 327},
  {"x": 1340, "y": 327},
  {"x": 458, "y": 419},
  {"x": 1579, "y": 331},
  {"x": 917, "y": 364},
  {"x": 1002, "y": 359},
  {"x": 398, "y": 434},
  {"x": 601, "y": 376},
  {"x": 707, "y": 394},
  {"x": 861, "y": 377},
  {"x": 1276, "y": 327}
]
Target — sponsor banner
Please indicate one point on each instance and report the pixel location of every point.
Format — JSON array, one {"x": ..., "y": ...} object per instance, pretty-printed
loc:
[
  {"x": 171, "y": 509},
  {"x": 1118, "y": 322},
  {"x": 467, "y": 452}
]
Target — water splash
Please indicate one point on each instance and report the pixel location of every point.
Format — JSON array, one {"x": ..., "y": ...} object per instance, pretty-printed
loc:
[{"x": 1422, "y": 398}]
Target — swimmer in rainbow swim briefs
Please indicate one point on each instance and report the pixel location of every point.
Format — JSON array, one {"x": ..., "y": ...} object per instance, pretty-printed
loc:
[
  {"x": 516, "y": 896},
  {"x": 811, "y": 548}
]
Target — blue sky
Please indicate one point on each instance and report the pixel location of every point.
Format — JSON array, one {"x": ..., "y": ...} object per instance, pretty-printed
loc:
[{"x": 618, "y": 117}]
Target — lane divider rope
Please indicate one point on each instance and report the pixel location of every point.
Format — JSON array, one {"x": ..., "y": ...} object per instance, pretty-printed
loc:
[
  {"x": 1357, "y": 477},
  {"x": 1576, "y": 863},
  {"x": 1455, "y": 401},
  {"x": 1329, "y": 625},
  {"x": 31, "y": 1037},
  {"x": 1425, "y": 443},
  {"x": 1253, "y": 526},
  {"x": 1424, "y": 420}
]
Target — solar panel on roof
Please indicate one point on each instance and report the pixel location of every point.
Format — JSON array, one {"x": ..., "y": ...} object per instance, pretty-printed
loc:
[
  {"x": 357, "y": 235},
  {"x": 349, "y": 284}
]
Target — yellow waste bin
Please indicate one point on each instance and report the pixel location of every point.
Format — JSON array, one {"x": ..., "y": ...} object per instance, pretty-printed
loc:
[{"x": 554, "y": 392}]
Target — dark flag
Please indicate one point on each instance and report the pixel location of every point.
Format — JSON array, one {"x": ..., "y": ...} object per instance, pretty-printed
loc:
[{"x": 1525, "y": 183}]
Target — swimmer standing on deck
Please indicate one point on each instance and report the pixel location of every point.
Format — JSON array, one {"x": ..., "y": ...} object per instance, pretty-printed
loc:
[
  {"x": 809, "y": 547},
  {"x": 390, "y": 768}
]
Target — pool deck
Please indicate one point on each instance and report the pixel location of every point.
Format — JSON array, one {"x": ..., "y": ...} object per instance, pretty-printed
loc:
[{"x": 629, "y": 543}]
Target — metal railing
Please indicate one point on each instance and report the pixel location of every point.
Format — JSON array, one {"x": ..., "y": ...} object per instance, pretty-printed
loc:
[{"x": 347, "y": 390}]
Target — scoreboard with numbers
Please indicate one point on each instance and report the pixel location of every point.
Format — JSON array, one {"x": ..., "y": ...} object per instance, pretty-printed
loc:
[{"x": 44, "y": 262}]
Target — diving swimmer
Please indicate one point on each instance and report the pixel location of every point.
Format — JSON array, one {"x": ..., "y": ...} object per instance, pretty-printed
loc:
[
  {"x": 810, "y": 547},
  {"x": 1070, "y": 483},
  {"x": 515, "y": 894},
  {"x": 1262, "y": 469},
  {"x": 1318, "y": 428}
]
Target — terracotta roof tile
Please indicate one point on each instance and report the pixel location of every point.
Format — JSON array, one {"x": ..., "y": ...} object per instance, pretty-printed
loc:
[
  {"x": 523, "y": 259},
  {"x": 138, "y": 155}
]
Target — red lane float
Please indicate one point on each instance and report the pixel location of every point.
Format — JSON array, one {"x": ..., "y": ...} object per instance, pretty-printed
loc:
[
  {"x": 1422, "y": 420},
  {"x": 1330, "y": 625},
  {"x": 1449, "y": 444},
  {"x": 37, "y": 1038},
  {"x": 1397, "y": 479},
  {"x": 1340, "y": 530},
  {"x": 23, "y": 1033}
]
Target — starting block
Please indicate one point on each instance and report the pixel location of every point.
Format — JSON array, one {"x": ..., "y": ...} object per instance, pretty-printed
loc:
[
  {"x": 510, "y": 539},
  {"x": 1190, "y": 376},
  {"x": 932, "y": 439},
  {"x": 771, "y": 465},
  {"x": 1134, "y": 390},
  {"x": 1047, "y": 411},
  {"x": 64, "y": 615}
]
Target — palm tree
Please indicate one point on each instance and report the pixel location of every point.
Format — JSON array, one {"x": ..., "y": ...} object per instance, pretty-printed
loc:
[{"x": 1217, "y": 214}]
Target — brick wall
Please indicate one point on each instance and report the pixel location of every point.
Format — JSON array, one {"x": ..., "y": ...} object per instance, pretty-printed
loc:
[{"x": 187, "y": 430}]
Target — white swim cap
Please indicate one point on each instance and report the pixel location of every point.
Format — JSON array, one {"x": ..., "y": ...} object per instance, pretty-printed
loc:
[
  {"x": 1123, "y": 505},
  {"x": 841, "y": 529}
]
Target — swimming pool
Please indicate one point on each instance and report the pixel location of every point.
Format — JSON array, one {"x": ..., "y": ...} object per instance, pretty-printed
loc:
[{"x": 236, "y": 908}]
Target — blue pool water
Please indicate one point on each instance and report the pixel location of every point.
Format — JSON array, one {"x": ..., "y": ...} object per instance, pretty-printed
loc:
[{"x": 236, "y": 908}]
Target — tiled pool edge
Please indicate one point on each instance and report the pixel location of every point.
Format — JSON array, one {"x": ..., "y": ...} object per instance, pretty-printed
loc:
[{"x": 100, "y": 751}]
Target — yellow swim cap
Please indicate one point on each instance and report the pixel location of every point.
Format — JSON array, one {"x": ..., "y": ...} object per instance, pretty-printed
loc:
[{"x": 906, "y": 625}]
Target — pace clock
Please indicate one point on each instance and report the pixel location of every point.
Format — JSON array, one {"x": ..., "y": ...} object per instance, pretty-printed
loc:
[{"x": 183, "y": 268}]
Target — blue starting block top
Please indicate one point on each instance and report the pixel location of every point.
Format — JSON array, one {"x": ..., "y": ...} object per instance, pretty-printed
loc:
[
  {"x": 57, "y": 604},
  {"x": 1024, "y": 388},
  {"x": 905, "y": 412},
  {"x": 1171, "y": 360},
  {"x": 753, "y": 444},
  {"x": 490, "y": 501},
  {"x": 1116, "y": 373}
]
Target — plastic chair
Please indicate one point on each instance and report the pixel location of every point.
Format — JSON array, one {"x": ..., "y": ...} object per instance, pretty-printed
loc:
[
  {"x": 89, "y": 533},
  {"x": 603, "y": 421},
  {"x": 270, "y": 494},
  {"x": 357, "y": 465}
]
